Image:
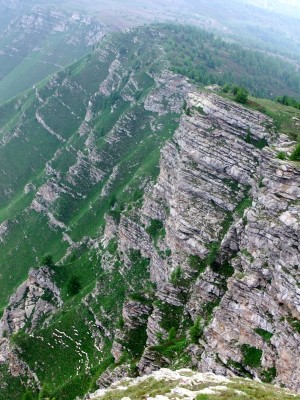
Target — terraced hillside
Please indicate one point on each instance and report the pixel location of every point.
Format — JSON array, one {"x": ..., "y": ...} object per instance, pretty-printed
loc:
[
  {"x": 81, "y": 140},
  {"x": 120, "y": 257}
]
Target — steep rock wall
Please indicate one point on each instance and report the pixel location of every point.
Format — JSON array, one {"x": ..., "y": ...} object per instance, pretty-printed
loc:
[{"x": 221, "y": 229}]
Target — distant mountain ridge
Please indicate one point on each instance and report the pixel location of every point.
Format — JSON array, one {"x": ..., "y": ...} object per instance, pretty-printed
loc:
[{"x": 40, "y": 41}]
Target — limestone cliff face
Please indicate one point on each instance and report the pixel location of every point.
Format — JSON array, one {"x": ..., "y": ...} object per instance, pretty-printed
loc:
[{"x": 226, "y": 249}]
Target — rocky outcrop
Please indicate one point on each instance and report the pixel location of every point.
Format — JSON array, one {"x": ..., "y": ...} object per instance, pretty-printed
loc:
[
  {"x": 37, "y": 297},
  {"x": 33, "y": 302},
  {"x": 188, "y": 384}
]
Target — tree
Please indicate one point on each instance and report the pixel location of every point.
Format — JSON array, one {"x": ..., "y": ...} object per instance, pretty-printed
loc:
[
  {"x": 74, "y": 286},
  {"x": 241, "y": 95}
]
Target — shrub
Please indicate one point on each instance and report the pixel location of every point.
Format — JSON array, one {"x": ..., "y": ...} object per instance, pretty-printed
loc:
[
  {"x": 120, "y": 323},
  {"x": 225, "y": 268},
  {"x": 269, "y": 375},
  {"x": 173, "y": 350},
  {"x": 188, "y": 112},
  {"x": 112, "y": 246},
  {"x": 226, "y": 88},
  {"x": 156, "y": 229},
  {"x": 264, "y": 334},
  {"x": 197, "y": 263},
  {"x": 45, "y": 392},
  {"x": 28, "y": 395},
  {"x": 168, "y": 252},
  {"x": 176, "y": 276},
  {"x": 235, "y": 89},
  {"x": 172, "y": 334},
  {"x": 294, "y": 323}
]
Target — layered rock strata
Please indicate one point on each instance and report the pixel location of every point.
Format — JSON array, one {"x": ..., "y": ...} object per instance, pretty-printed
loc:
[{"x": 230, "y": 209}]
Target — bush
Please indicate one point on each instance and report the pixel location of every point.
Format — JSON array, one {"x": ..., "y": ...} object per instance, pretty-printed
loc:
[
  {"x": 74, "y": 286},
  {"x": 45, "y": 393},
  {"x": 267, "y": 336},
  {"x": 112, "y": 246},
  {"x": 176, "y": 276},
  {"x": 269, "y": 375},
  {"x": 295, "y": 156},
  {"x": 281, "y": 155},
  {"x": 288, "y": 101},
  {"x": 47, "y": 260},
  {"x": 252, "y": 356},
  {"x": 197, "y": 263},
  {"x": 156, "y": 229},
  {"x": 235, "y": 89},
  {"x": 172, "y": 334},
  {"x": 168, "y": 252},
  {"x": 28, "y": 395},
  {"x": 196, "y": 331},
  {"x": 226, "y": 88}
]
